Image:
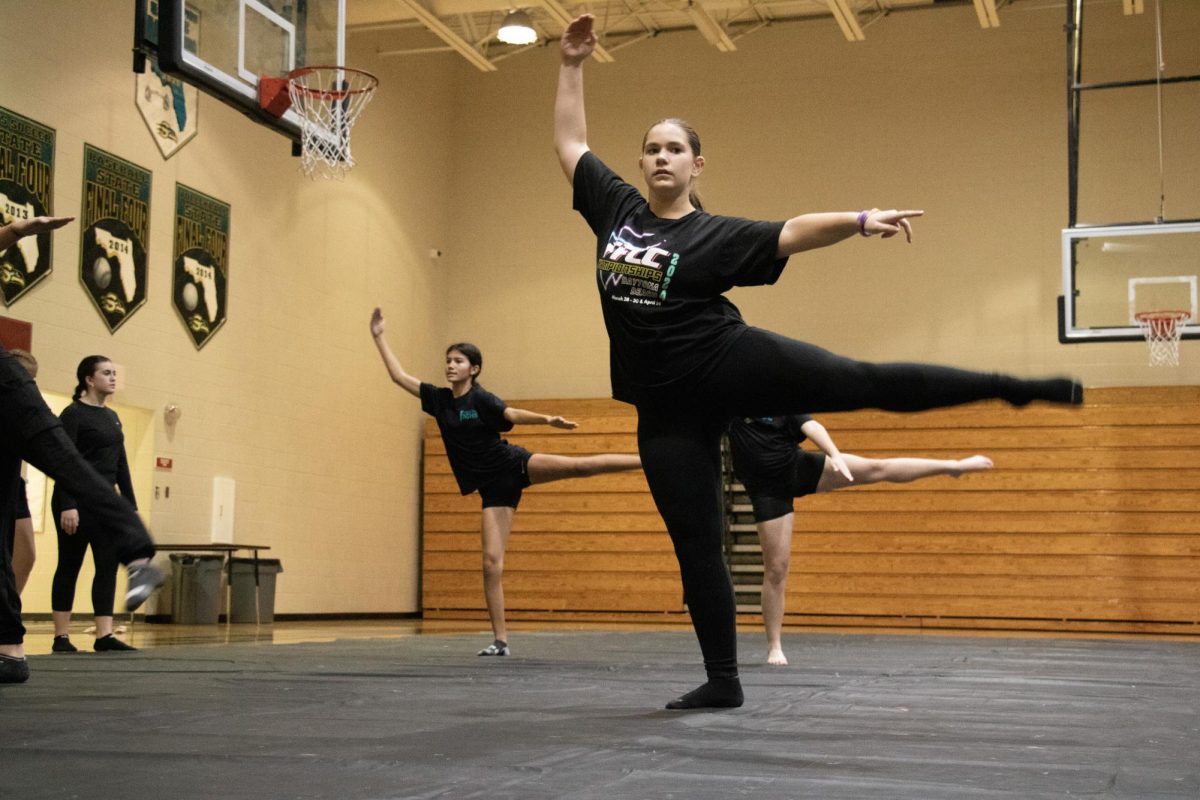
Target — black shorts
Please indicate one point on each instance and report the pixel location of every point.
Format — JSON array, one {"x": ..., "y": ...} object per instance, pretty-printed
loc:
[
  {"x": 774, "y": 500},
  {"x": 505, "y": 488},
  {"x": 21, "y": 503}
]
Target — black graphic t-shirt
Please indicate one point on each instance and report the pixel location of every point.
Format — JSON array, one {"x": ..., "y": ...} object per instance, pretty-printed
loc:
[
  {"x": 470, "y": 427},
  {"x": 764, "y": 448},
  {"x": 96, "y": 432},
  {"x": 661, "y": 280}
]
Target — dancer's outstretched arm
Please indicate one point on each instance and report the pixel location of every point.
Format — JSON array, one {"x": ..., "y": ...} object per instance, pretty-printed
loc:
[
  {"x": 810, "y": 231},
  {"x": 819, "y": 436},
  {"x": 20, "y": 228},
  {"x": 519, "y": 416},
  {"x": 401, "y": 378},
  {"x": 570, "y": 122}
]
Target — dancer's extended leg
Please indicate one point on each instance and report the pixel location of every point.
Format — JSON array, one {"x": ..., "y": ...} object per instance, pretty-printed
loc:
[{"x": 765, "y": 374}]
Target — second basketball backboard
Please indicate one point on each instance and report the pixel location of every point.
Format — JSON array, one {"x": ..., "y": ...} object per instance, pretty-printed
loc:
[
  {"x": 1110, "y": 274},
  {"x": 224, "y": 46}
]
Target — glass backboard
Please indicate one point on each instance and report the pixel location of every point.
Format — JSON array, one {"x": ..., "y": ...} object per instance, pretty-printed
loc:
[
  {"x": 1112, "y": 273},
  {"x": 224, "y": 46}
]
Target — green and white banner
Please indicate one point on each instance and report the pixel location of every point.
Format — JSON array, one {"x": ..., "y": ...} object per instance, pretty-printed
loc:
[
  {"x": 26, "y": 185},
  {"x": 115, "y": 223},
  {"x": 200, "y": 276}
]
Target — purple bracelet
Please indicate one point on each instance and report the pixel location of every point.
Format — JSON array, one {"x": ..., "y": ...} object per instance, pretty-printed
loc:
[{"x": 862, "y": 223}]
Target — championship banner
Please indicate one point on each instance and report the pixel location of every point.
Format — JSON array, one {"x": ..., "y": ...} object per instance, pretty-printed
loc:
[
  {"x": 201, "y": 271},
  {"x": 26, "y": 183},
  {"x": 115, "y": 229}
]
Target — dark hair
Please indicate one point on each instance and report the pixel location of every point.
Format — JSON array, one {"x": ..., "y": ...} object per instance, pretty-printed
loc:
[
  {"x": 85, "y": 370},
  {"x": 474, "y": 357},
  {"x": 693, "y": 139}
]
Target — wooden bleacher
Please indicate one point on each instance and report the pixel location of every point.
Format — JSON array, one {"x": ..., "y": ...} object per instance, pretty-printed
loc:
[{"x": 1090, "y": 522}]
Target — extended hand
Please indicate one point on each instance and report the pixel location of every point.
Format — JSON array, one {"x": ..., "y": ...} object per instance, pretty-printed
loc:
[
  {"x": 377, "y": 323},
  {"x": 889, "y": 223},
  {"x": 559, "y": 422},
  {"x": 36, "y": 225},
  {"x": 578, "y": 40},
  {"x": 839, "y": 465}
]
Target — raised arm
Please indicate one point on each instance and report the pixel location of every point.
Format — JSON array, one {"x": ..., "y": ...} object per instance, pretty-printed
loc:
[
  {"x": 816, "y": 432},
  {"x": 20, "y": 228},
  {"x": 519, "y": 416},
  {"x": 401, "y": 378},
  {"x": 570, "y": 123},
  {"x": 810, "y": 231}
]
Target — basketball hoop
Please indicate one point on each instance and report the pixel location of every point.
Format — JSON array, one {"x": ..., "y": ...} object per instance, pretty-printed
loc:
[
  {"x": 328, "y": 101},
  {"x": 1162, "y": 330}
]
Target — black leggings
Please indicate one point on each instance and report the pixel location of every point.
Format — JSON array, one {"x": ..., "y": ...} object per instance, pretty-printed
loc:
[
  {"x": 765, "y": 374},
  {"x": 71, "y": 550}
]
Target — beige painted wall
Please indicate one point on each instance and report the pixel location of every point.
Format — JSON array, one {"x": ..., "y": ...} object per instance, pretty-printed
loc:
[{"x": 289, "y": 399}]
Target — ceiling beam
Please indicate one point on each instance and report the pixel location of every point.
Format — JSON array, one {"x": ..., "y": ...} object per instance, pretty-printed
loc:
[
  {"x": 709, "y": 28},
  {"x": 847, "y": 20},
  {"x": 439, "y": 28},
  {"x": 986, "y": 11}
]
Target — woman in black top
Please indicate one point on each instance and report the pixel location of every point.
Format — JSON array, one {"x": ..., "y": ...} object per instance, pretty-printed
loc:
[
  {"x": 96, "y": 431},
  {"x": 681, "y": 353},
  {"x": 470, "y": 419},
  {"x": 774, "y": 471}
]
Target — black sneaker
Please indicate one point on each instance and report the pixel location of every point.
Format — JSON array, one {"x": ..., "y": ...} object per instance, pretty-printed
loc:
[
  {"x": 62, "y": 644},
  {"x": 13, "y": 670},
  {"x": 143, "y": 580},
  {"x": 111, "y": 644}
]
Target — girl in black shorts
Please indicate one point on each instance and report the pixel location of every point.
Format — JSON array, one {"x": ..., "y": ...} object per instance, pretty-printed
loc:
[
  {"x": 680, "y": 352},
  {"x": 471, "y": 420},
  {"x": 774, "y": 470}
]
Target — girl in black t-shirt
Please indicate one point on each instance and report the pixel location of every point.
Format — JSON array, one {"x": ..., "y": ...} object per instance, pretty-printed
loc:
[
  {"x": 95, "y": 430},
  {"x": 681, "y": 353},
  {"x": 774, "y": 471},
  {"x": 471, "y": 419}
]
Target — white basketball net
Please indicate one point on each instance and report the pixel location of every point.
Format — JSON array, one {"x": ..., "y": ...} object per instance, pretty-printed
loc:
[
  {"x": 1162, "y": 330},
  {"x": 328, "y": 101}
]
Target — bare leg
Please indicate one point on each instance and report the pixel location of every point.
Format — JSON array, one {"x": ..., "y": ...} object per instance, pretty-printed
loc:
[
  {"x": 24, "y": 552},
  {"x": 544, "y": 468},
  {"x": 62, "y": 623},
  {"x": 775, "y": 536},
  {"x": 896, "y": 470},
  {"x": 497, "y": 522}
]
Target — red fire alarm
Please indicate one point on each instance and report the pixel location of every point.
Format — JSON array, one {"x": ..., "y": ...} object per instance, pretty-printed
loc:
[{"x": 163, "y": 463}]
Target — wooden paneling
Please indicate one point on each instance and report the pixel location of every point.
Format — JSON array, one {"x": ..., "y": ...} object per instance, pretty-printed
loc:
[{"x": 1090, "y": 522}]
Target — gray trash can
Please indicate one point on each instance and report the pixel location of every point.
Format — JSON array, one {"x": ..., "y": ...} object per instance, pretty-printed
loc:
[
  {"x": 248, "y": 602},
  {"x": 196, "y": 588}
]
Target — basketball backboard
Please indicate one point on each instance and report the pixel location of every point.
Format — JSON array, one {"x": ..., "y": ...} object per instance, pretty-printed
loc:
[
  {"x": 1112, "y": 273},
  {"x": 223, "y": 46}
]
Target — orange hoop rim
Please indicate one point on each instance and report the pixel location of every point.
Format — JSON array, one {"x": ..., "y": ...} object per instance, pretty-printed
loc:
[
  {"x": 1162, "y": 316},
  {"x": 331, "y": 94}
]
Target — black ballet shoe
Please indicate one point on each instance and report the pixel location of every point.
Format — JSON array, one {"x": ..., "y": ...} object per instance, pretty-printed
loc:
[
  {"x": 111, "y": 644},
  {"x": 717, "y": 693},
  {"x": 1066, "y": 391},
  {"x": 62, "y": 644}
]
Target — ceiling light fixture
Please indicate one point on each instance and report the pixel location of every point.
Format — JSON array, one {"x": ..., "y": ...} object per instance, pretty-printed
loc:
[{"x": 517, "y": 28}]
